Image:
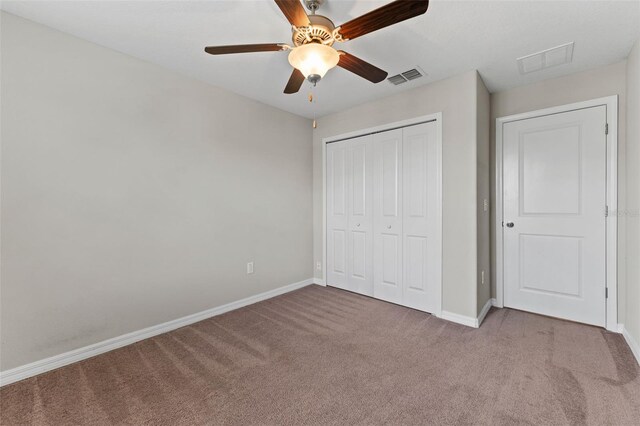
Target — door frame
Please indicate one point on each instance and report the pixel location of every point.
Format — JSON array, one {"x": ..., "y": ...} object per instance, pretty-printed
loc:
[
  {"x": 437, "y": 118},
  {"x": 611, "y": 261}
]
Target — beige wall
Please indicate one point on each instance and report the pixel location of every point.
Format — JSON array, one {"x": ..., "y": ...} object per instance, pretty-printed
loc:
[
  {"x": 456, "y": 99},
  {"x": 632, "y": 212},
  {"x": 597, "y": 83},
  {"x": 132, "y": 196},
  {"x": 483, "y": 108}
]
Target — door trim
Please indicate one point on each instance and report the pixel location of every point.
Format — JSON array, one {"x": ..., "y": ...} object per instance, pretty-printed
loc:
[
  {"x": 611, "y": 262},
  {"x": 437, "y": 118}
]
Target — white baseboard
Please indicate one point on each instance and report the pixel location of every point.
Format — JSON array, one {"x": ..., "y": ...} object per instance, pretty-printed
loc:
[
  {"x": 459, "y": 319},
  {"x": 319, "y": 281},
  {"x": 57, "y": 361},
  {"x": 469, "y": 321},
  {"x": 635, "y": 347},
  {"x": 485, "y": 310}
]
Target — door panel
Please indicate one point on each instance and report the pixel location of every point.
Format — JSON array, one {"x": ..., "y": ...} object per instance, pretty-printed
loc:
[
  {"x": 390, "y": 174},
  {"x": 554, "y": 173},
  {"x": 358, "y": 157},
  {"x": 349, "y": 215},
  {"x": 339, "y": 251},
  {"x": 360, "y": 214},
  {"x": 389, "y": 257},
  {"x": 550, "y": 162},
  {"x": 359, "y": 254},
  {"x": 336, "y": 215},
  {"x": 421, "y": 246},
  {"x": 416, "y": 260},
  {"x": 557, "y": 270},
  {"x": 387, "y": 224}
]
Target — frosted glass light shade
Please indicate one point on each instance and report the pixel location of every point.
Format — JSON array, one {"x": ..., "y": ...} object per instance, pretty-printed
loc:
[{"x": 314, "y": 59}]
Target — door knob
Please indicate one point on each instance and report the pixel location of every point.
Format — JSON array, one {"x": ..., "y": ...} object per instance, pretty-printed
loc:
[
  {"x": 510, "y": 225},
  {"x": 358, "y": 225},
  {"x": 388, "y": 226}
]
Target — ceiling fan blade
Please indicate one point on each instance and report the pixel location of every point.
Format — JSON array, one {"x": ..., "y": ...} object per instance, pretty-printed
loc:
[
  {"x": 295, "y": 82},
  {"x": 361, "y": 68},
  {"x": 294, "y": 12},
  {"x": 384, "y": 16},
  {"x": 244, "y": 48}
]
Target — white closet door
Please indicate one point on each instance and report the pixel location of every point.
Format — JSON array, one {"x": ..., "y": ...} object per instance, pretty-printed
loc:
[
  {"x": 337, "y": 215},
  {"x": 420, "y": 221},
  {"x": 360, "y": 215},
  {"x": 384, "y": 236},
  {"x": 387, "y": 222},
  {"x": 349, "y": 215}
]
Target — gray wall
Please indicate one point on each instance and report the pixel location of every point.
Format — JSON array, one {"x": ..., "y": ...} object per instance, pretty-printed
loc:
[
  {"x": 632, "y": 213},
  {"x": 456, "y": 99},
  {"x": 597, "y": 83},
  {"x": 132, "y": 196},
  {"x": 483, "y": 192}
]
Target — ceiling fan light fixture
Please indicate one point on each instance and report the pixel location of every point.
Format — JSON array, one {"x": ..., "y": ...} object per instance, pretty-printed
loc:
[
  {"x": 314, "y": 59},
  {"x": 313, "y": 36}
]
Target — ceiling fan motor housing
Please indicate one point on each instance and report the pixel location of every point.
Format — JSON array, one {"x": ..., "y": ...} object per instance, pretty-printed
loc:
[{"x": 320, "y": 31}]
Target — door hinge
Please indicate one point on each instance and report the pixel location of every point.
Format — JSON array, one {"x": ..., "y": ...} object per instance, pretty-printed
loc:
[
  {"x": 606, "y": 129},
  {"x": 606, "y": 211},
  {"x": 606, "y": 292}
]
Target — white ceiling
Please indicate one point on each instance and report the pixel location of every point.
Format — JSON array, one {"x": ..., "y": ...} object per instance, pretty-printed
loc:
[{"x": 451, "y": 38}]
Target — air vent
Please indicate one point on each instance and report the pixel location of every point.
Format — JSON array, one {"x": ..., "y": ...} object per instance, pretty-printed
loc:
[
  {"x": 397, "y": 79},
  {"x": 406, "y": 76},
  {"x": 558, "y": 55},
  {"x": 411, "y": 74}
]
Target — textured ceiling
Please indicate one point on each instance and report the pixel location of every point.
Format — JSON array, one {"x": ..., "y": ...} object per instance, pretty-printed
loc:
[{"x": 451, "y": 38}]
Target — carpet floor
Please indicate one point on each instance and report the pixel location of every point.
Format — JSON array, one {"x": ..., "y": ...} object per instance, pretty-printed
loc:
[{"x": 325, "y": 356}]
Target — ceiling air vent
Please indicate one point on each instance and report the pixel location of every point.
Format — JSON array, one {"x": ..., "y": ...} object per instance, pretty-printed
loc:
[
  {"x": 411, "y": 74},
  {"x": 558, "y": 55},
  {"x": 406, "y": 76},
  {"x": 397, "y": 79}
]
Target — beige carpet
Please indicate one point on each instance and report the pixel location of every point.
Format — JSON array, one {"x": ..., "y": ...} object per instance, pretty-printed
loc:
[{"x": 325, "y": 356}]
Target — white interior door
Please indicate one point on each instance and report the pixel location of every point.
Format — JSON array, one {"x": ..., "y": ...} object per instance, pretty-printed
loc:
[
  {"x": 554, "y": 174},
  {"x": 337, "y": 219},
  {"x": 349, "y": 215},
  {"x": 360, "y": 215},
  {"x": 420, "y": 222},
  {"x": 387, "y": 222}
]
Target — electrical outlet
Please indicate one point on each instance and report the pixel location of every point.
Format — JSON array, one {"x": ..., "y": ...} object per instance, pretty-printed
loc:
[
  {"x": 319, "y": 266},
  {"x": 250, "y": 268}
]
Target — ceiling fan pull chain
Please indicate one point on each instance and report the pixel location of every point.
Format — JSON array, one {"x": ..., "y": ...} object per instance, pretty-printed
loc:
[{"x": 311, "y": 100}]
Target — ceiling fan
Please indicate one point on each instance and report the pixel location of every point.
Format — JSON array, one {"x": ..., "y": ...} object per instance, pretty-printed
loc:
[{"x": 313, "y": 53}]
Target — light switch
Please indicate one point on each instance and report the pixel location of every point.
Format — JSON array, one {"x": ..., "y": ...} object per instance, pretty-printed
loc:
[{"x": 250, "y": 268}]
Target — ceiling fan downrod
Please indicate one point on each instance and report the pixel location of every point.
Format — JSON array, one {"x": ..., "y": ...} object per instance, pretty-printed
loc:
[{"x": 313, "y": 5}]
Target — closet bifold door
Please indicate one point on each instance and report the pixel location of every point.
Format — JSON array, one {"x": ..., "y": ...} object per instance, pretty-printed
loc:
[
  {"x": 349, "y": 215},
  {"x": 337, "y": 215},
  {"x": 360, "y": 215},
  {"x": 387, "y": 212},
  {"x": 420, "y": 242}
]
